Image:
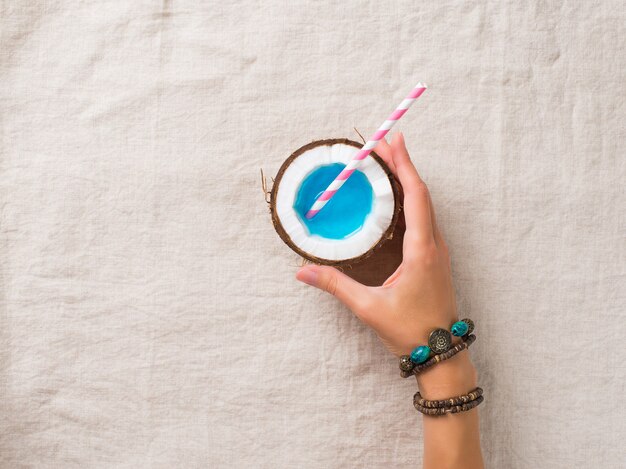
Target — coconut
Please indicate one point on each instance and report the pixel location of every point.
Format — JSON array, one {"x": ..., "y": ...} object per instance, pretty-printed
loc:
[{"x": 378, "y": 225}]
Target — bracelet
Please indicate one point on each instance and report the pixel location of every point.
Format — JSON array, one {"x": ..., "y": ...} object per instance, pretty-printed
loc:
[
  {"x": 439, "y": 342},
  {"x": 464, "y": 399},
  {"x": 408, "y": 368},
  {"x": 453, "y": 405},
  {"x": 449, "y": 410}
]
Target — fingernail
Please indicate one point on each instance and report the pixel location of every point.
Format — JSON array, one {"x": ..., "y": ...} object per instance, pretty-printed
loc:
[{"x": 307, "y": 276}]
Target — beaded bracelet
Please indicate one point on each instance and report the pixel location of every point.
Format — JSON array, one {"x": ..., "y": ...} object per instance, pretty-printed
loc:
[
  {"x": 417, "y": 369},
  {"x": 463, "y": 399},
  {"x": 439, "y": 342},
  {"x": 449, "y": 410},
  {"x": 453, "y": 405}
]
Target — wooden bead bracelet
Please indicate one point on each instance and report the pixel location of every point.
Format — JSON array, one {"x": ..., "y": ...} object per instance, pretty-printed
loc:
[
  {"x": 448, "y": 410},
  {"x": 411, "y": 369},
  {"x": 453, "y": 405},
  {"x": 464, "y": 399}
]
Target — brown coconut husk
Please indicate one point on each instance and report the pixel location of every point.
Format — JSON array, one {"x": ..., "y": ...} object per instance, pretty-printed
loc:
[{"x": 388, "y": 234}]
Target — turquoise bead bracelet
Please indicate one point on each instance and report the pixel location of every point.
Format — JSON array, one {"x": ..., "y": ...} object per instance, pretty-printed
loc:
[
  {"x": 439, "y": 341},
  {"x": 408, "y": 368}
]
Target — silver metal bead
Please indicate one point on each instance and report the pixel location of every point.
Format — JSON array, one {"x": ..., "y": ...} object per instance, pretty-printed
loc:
[
  {"x": 405, "y": 363},
  {"x": 439, "y": 341}
]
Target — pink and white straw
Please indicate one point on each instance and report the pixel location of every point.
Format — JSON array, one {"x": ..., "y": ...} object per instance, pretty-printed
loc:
[{"x": 365, "y": 150}]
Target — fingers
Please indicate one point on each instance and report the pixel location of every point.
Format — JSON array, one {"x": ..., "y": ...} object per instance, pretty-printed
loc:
[
  {"x": 436, "y": 233},
  {"x": 348, "y": 291},
  {"x": 417, "y": 210},
  {"x": 384, "y": 151}
]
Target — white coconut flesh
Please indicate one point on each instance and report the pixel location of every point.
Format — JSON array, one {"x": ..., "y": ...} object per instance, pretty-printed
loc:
[{"x": 375, "y": 225}]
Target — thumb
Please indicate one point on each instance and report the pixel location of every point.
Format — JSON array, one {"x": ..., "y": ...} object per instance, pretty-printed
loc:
[{"x": 348, "y": 291}]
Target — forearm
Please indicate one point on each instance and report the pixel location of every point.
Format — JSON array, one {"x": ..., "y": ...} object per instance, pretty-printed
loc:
[
  {"x": 417, "y": 299},
  {"x": 452, "y": 440}
]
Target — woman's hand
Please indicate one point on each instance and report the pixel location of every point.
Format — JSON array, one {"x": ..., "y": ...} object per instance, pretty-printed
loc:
[{"x": 419, "y": 296}]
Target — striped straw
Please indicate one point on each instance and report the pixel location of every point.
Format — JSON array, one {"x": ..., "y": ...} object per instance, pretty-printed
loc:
[{"x": 365, "y": 150}]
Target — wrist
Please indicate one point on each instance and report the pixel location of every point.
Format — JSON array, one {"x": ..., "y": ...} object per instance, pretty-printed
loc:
[{"x": 449, "y": 378}]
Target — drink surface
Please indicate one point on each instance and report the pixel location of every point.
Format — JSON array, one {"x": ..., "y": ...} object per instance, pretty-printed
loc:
[{"x": 345, "y": 213}]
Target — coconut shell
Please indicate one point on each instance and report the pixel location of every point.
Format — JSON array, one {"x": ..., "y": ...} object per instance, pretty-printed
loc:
[{"x": 388, "y": 234}]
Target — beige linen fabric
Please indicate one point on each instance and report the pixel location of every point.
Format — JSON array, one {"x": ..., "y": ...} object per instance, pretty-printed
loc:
[{"x": 149, "y": 315}]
